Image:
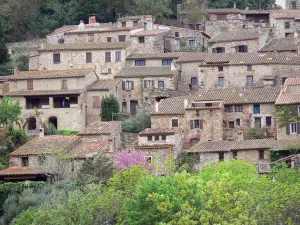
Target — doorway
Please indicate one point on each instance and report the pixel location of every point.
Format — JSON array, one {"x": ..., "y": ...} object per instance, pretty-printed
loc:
[
  {"x": 257, "y": 123},
  {"x": 133, "y": 105},
  {"x": 32, "y": 123},
  {"x": 53, "y": 120}
]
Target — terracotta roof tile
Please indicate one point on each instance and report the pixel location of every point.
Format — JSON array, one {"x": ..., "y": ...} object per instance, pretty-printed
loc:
[
  {"x": 254, "y": 144},
  {"x": 86, "y": 46},
  {"x": 221, "y": 57},
  {"x": 149, "y": 33},
  {"x": 88, "y": 149},
  {"x": 149, "y": 131},
  {"x": 291, "y": 81},
  {"x": 103, "y": 85},
  {"x": 189, "y": 57},
  {"x": 101, "y": 127},
  {"x": 285, "y": 97},
  {"x": 42, "y": 145},
  {"x": 162, "y": 55},
  {"x": 45, "y": 93},
  {"x": 15, "y": 171},
  {"x": 285, "y": 14},
  {"x": 213, "y": 146},
  {"x": 224, "y": 11},
  {"x": 100, "y": 29},
  {"x": 281, "y": 44},
  {"x": 241, "y": 35},
  {"x": 49, "y": 74},
  {"x": 145, "y": 71}
]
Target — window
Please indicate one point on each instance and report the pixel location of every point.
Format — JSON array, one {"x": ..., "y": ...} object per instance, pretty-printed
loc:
[
  {"x": 228, "y": 108},
  {"x": 220, "y": 81},
  {"x": 294, "y": 6},
  {"x": 123, "y": 24},
  {"x": 196, "y": 123},
  {"x": 64, "y": 84},
  {"x": 261, "y": 155},
  {"x": 163, "y": 137},
  {"x": 148, "y": 83},
  {"x": 194, "y": 141},
  {"x": 268, "y": 121},
  {"x": 122, "y": 38},
  {"x": 249, "y": 68},
  {"x": 249, "y": 80},
  {"x": 221, "y": 156},
  {"x": 42, "y": 160},
  {"x": 61, "y": 41},
  {"x": 220, "y": 68},
  {"x": 283, "y": 80},
  {"x": 177, "y": 34},
  {"x": 293, "y": 128},
  {"x": 174, "y": 122},
  {"x": 25, "y": 161},
  {"x": 56, "y": 58},
  {"x": 192, "y": 43},
  {"x": 140, "y": 62},
  {"x": 287, "y": 25},
  {"x": 231, "y": 124},
  {"x": 149, "y": 138},
  {"x": 88, "y": 57},
  {"x": 288, "y": 34},
  {"x": 194, "y": 81},
  {"x": 129, "y": 85},
  {"x": 234, "y": 154},
  {"x": 218, "y": 50},
  {"x": 29, "y": 84},
  {"x": 96, "y": 102},
  {"x": 256, "y": 109},
  {"x": 156, "y": 138},
  {"x": 109, "y": 71},
  {"x": 90, "y": 37},
  {"x": 241, "y": 48},
  {"x": 108, "y": 39},
  {"x": 197, "y": 112},
  {"x": 135, "y": 23},
  {"x": 161, "y": 84},
  {"x": 118, "y": 56},
  {"x": 238, "y": 108},
  {"x": 141, "y": 39},
  {"x": 107, "y": 57},
  {"x": 238, "y": 122},
  {"x": 166, "y": 62}
]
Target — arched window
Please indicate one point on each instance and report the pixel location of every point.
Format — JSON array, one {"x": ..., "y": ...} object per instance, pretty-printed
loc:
[
  {"x": 32, "y": 123},
  {"x": 53, "y": 120}
]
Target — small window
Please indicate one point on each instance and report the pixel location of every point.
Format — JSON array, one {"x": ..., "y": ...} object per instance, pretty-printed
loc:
[
  {"x": 177, "y": 34},
  {"x": 192, "y": 43},
  {"x": 149, "y": 138},
  {"x": 107, "y": 56},
  {"x": 220, "y": 69},
  {"x": 141, "y": 39},
  {"x": 64, "y": 84},
  {"x": 288, "y": 34},
  {"x": 108, "y": 39},
  {"x": 294, "y": 5},
  {"x": 208, "y": 104},
  {"x": 90, "y": 37},
  {"x": 174, "y": 122},
  {"x": 238, "y": 122},
  {"x": 234, "y": 154},
  {"x": 238, "y": 108},
  {"x": 128, "y": 85},
  {"x": 42, "y": 160},
  {"x": 118, "y": 56},
  {"x": 88, "y": 57},
  {"x": 29, "y": 84},
  {"x": 228, "y": 108},
  {"x": 218, "y": 50},
  {"x": 196, "y": 123},
  {"x": 123, "y": 24},
  {"x": 140, "y": 62},
  {"x": 109, "y": 71},
  {"x": 256, "y": 109},
  {"x": 166, "y": 62},
  {"x": 163, "y": 137},
  {"x": 25, "y": 161},
  {"x": 156, "y": 138},
  {"x": 231, "y": 124},
  {"x": 148, "y": 83},
  {"x": 56, "y": 58},
  {"x": 194, "y": 80},
  {"x": 287, "y": 25},
  {"x": 96, "y": 102},
  {"x": 221, "y": 156},
  {"x": 220, "y": 81},
  {"x": 135, "y": 23},
  {"x": 293, "y": 128},
  {"x": 261, "y": 155},
  {"x": 161, "y": 84},
  {"x": 249, "y": 80},
  {"x": 249, "y": 68},
  {"x": 122, "y": 38},
  {"x": 242, "y": 48},
  {"x": 268, "y": 121}
]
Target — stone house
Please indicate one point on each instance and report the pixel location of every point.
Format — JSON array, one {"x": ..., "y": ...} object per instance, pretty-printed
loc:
[
  {"x": 237, "y": 41},
  {"x": 162, "y": 146},
  {"x": 288, "y": 101},
  {"x": 145, "y": 21},
  {"x": 39, "y": 159},
  {"x": 58, "y": 35},
  {"x": 58, "y": 95},
  {"x": 292, "y": 4},
  {"x": 138, "y": 82}
]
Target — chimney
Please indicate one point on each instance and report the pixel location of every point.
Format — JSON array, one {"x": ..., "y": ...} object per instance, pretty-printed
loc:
[
  {"x": 41, "y": 132},
  {"x": 92, "y": 19},
  {"x": 240, "y": 136},
  {"x": 173, "y": 67},
  {"x": 156, "y": 107},
  {"x": 234, "y": 5},
  {"x": 81, "y": 25},
  {"x": 185, "y": 103}
]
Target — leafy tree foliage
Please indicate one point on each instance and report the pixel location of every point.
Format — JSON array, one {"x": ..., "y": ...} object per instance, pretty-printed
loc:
[
  {"x": 50, "y": 129},
  {"x": 15, "y": 138},
  {"x": 109, "y": 105},
  {"x": 138, "y": 123},
  {"x": 156, "y": 8},
  {"x": 22, "y": 62},
  {"x": 3, "y": 48},
  {"x": 9, "y": 111}
]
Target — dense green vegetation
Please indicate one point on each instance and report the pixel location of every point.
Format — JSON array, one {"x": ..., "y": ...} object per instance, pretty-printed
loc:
[
  {"x": 138, "y": 123},
  {"x": 109, "y": 108}
]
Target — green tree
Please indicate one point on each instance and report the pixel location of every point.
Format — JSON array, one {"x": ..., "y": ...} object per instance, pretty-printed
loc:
[
  {"x": 138, "y": 123},
  {"x": 240, "y": 4},
  {"x": 15, "y": 138},
  {"x": 22, "y": 62},
  {"x": 109, "y": 105},
  {"x": 3, "y": 48},
  {"x": 9, "y": 111}
]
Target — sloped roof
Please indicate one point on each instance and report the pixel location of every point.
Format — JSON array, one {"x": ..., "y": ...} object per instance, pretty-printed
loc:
[
  {"x": 286, "y": 98},
  {"x": 149, "y": 33},
  {"x": 241, "y": 35},
  {"x": 189, "y": 57},
  {"x": 285, "y": 14},
  {"x": 101, "y": 127},
  {"x": 213, "y": 146},
  {"x": 45, "y": 93},
  {"x": 281, "y": 44},
  {"x": 103, "y": 85},
  {"x": 144, "y": 71},
  {"x": 292, "y": 81},
  {"x": 138, "y": 17},
  {"x": 100, "y": 29},
  {"x": 235, "y": 11},
  {"x": 86, "y": 46},
  {"x": 161, "y": 55},
  {"x": 50, "y": 74},
  {"x": 254, "y": 144},
  {"x": 17, "y": 171},
  {"x": 149, "y": 131},
  {"x": 88, "y": 149},
  {"x": 45, "y": 145}
]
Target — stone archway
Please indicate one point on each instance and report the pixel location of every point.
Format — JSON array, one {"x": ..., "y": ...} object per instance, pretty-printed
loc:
[
  {"x": 53, "y": 120},
  {"x": 32, "y": 123}
]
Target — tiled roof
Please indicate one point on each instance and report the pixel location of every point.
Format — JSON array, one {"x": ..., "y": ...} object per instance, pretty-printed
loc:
[
  {"x": 223, "y": 11},
  {"x": 42, "y": 145},
  {"x": 49, "y": 74},
  {"x": 286, "y": 98},
  {"x": 189, "y": 57},
  {"x": 221, "y": 57},
  {"x": 213, "y": 146},
  {"x": 65, "y": 28},
  {"x": 291, "y": 81},
  {"x": 285, "y": 14},
  {"x": 281, "y": 44},
  {"x": 162, "y": 55},
  {"x": 155, "y": 146},
  {"x": 46, "y": 92},
  {"x": 101, "y": 127},
  {"x": 99, "y": 29},
  {"x": 103, "y": 85},
  {"x": 148, "y": 33},
  {"x": 17, "y": 171},
  {"x": 138, "y": 17},
  {"x": 86, "y": 46},
  {"x": 254, "y": 144},
  {"x": 241, "y": 35},
  {"x": 149, "y": 131},
  {"x": 88, "y": 149},
  {"x": 144, "y": 71}
]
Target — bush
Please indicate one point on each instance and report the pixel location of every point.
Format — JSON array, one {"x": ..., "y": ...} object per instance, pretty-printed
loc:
[
  {"x": 138, "y": 123},
  {"x": 50, "y": 129},
  {"x": 109, "y": 105},
  {"x": 254, "y": 134},
  {"x": 68, "y": 132},
  {"x": 15, "y": 138}
]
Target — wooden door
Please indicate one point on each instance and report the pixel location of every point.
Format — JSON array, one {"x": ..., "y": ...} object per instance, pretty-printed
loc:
[
  {"x": 133, "y": 105},
  {"x": 257, "y": 123}
]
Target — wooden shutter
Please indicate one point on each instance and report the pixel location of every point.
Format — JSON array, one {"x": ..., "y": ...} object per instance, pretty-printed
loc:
[
  {"x": 287, "y": 126},
  {"x": 152, "y": 83},
  {"x": 294, "y": 110},
  {"x": 96, "y": 102},
  {"x": 246, "y": 48},
  {"x": 201, "y": 124},
  {"x": 132, "y": 85},
  {"x": 191, "y": 124},
  {"x": 214, "y": 50},
  {"x": 145, "y": 84},
  {"x": 123, "y": 85},
  {"x": 298, "y": 128},
  {"x": 29, "y": 84}
]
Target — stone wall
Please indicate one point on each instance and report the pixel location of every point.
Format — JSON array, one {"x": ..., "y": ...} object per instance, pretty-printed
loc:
[
  {"x": 152, "y": 44},
  {"x": 253, "y": 45},
  {"x": 281, "y": 73},
  {"x": 213, "y": 157},
  {"x": 252, "y": 156},
  {"x": 129, "y": 141},
  {"x": 27, "y": 48},
  {"x": 279, "y": 26}
]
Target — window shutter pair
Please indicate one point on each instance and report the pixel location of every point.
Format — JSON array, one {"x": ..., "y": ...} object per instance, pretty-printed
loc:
[
  {"x": 96, "y": 102},
  {"x": 192, "y": 124}
]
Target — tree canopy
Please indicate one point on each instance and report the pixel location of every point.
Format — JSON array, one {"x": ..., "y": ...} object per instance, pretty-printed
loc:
[{"x": 109, "y": 105}]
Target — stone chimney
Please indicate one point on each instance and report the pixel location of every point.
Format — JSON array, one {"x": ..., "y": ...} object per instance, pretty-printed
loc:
[
  {"x": 81, "y": 25},
  {"x": 156, "y": 107},
  {"x": 240, "y": 136},
  {"x": 92, "y": 19},
  {"x": 234, "y": 5}
]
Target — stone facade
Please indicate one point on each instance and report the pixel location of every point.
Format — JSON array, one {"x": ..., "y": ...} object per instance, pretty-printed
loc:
[
  {"x": 292, "y": 4},
  {"x": 152, "y": 43}
]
